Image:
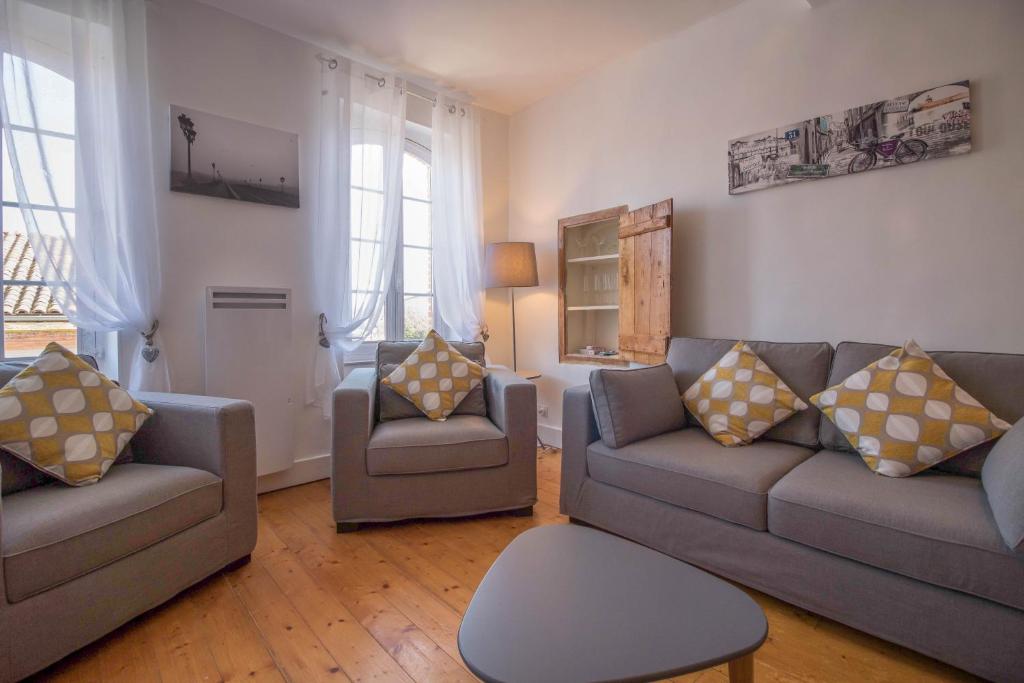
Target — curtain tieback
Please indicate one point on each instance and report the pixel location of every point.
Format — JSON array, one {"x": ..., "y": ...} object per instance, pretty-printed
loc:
[
  {"x": 322, "y": 339},
  {"x": 150, "y": 352}
]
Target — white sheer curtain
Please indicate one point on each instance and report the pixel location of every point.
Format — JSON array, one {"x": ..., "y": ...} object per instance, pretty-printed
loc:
[
  {"x": 457, "y": 217},
  {"x": 355, "y": 238},
  {"x": 94, "y": 235}
]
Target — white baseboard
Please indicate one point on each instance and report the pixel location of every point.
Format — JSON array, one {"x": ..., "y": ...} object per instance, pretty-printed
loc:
[
  {"x": 308, "y": 469},
  {"x": 551, "y": 436}
]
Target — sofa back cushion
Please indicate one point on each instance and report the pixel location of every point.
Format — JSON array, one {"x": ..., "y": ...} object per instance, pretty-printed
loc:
[
  {"x": 16, "y": 474},
  {"x": 635, "y": 404},
  {"x": 393, "y": 406},
  {"x": 802, "y": 366},
  {"x": 996, "y": 380}
]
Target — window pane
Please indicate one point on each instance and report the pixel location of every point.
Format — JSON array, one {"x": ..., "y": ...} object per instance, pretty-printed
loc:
[
  {"x": 415, "y": 177},
  {"x": 416, "y": 275},
  {"x": 367, "y": 209},
  {"x": 32, "y": 317},
  {"x": 53, "y": 225},
  {"x": 416, "y": 223},
  {"x": 368, "y": 166},
  {"x": 53, "y": 95},
  {"x": 379, "y": 331},
  {"x": 419, "y": 316},
  {"x": 60, "y": 155},
  {"x": 365, "y": 258}
]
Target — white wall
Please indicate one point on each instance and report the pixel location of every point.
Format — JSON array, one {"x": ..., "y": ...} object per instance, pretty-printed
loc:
[
  {"x": 205, "y": 59},
  {"x": 931, "y": 251}
]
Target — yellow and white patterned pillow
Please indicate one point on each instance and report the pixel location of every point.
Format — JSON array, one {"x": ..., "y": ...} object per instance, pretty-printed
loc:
[
  {"x": 435, "y": 377},
  {"x": 904, "y": 414},
  {"x": 65, "y": 418},
  {"x": 740, "y": 398}
]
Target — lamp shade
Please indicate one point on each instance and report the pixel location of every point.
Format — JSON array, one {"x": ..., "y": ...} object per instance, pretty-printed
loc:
[{"x": 510, "y": 264}]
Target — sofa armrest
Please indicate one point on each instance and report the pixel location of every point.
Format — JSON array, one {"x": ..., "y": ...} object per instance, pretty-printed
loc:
[
  {"x": 352, "y": 421},
  {"x": 579, "y": 430},
  {"x": 1002, "y": 476},
  {"x": 213, "y": 434}
]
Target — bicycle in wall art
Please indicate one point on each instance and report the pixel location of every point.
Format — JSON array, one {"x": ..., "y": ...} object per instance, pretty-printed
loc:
[{"x": 927, "y": 124}]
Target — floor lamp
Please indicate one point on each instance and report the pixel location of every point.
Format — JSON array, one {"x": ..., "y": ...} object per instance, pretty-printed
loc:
[{"x": 511, "y": 264}]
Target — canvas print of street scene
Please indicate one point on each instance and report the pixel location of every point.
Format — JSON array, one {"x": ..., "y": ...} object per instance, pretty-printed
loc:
[
  {"x": 928, "y": 124},
  {"x": 219, "y": 157}
]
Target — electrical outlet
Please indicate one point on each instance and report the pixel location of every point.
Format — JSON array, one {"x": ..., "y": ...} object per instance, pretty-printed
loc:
[{"x": 542, "y": 411}]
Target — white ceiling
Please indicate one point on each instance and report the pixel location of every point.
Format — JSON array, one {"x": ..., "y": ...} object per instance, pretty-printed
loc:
[{"x": 506, "y": 54}]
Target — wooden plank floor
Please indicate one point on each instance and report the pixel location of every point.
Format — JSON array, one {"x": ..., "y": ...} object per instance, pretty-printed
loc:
[{"x": 384, "y": 604}]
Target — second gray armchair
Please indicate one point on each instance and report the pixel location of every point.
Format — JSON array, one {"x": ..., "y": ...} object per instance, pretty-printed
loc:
[{"x": 414, "y": 467}]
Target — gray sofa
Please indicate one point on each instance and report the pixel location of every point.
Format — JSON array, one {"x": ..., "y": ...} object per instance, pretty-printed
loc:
[
  {"x": 79, "y": 562},
  {"x": 390, "y": 464},
  {"x": 916, "y": 561}
]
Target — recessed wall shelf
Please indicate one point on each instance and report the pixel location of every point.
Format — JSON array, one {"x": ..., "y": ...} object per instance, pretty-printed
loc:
[{"x": 617, "y": 296}]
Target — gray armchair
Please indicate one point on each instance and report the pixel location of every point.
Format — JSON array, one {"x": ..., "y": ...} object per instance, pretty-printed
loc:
[
  {"x": 79, "y": 562},
  {"x": 414, "y": 467}
]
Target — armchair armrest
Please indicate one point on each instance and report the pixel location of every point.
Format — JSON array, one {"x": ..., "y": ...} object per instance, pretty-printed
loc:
[
  {"x": 579, "y": 430},
  {"x": 353, "y": 416},
  {"x": 1002, "y": 477},
  {"x": 3, "y": 589},
  {"x": 512, "y": 406},
  {"x": 213, "y": 434}
]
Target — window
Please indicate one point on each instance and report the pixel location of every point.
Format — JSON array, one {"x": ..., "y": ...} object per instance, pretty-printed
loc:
[
  {"x": 31, "y": 316},
  {"x": 412, "y": 295},
  {"x": 409, "y": 310}
]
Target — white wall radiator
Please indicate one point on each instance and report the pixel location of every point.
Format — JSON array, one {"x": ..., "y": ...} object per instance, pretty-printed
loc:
[{"x": 247, "y": 354}]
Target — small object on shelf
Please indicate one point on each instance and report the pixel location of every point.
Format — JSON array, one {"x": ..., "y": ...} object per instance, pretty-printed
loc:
[{"x": 596, "y": 351}]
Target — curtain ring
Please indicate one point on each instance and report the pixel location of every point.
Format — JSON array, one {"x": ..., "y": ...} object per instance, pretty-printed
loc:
[
  {"x": 463, "y": 112},
  {"x": 322, "y": 339},
  {"x": 381, "y": 82},
  {"x": 451, "y": 108}
]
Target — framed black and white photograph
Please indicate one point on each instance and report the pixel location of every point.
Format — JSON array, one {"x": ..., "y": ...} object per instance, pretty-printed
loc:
[
  {"x": 216, "y": 156},
  {"x": 927, "y": 124}
]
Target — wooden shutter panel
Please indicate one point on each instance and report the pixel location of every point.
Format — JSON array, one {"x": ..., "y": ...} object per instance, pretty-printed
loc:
[{"x": 645, "y": 283}]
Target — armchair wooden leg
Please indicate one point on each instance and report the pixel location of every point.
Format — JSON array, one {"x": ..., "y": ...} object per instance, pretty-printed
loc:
[
  {"x": 523, "y": 512},
  {"x": 347, "y": 527}
]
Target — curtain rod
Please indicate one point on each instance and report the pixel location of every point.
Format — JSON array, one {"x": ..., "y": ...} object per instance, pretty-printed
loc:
[{"x": 332, "y": 64}]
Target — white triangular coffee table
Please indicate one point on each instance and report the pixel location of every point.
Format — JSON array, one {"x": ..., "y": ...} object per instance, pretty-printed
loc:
[{"x": 572, "y": 604}]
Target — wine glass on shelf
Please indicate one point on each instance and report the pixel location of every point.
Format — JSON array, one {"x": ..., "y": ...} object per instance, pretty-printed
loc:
[
  {"x": 582, "y": 240},
  {"x": 610, "y": 286},
  {"x": 586, "y": 286}
]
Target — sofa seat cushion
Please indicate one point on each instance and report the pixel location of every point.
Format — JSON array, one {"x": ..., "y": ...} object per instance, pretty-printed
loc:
[
  {"x": 934, "y": 527},
  {"x": 689, "y": 469},
  {"x": 418, "y": 445},
  {"x": 55, "y": 533}
]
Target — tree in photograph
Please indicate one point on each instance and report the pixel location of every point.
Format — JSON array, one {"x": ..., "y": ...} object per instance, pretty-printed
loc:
[
  {"x": 188, "y": 129},
  {"x": 282, "y": 184}
]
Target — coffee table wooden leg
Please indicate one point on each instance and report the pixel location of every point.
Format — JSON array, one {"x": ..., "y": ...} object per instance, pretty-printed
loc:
[{"x": 741, "y": 669}]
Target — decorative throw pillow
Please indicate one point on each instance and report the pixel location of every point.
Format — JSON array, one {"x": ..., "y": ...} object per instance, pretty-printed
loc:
[
  {"x": 616, "y": 395},
  {"x": 435, "y": 377},
  {"x": 904, "y": 414},
  {"x": 740, "y": 398},
  {"x": 65, "y": 418}
]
